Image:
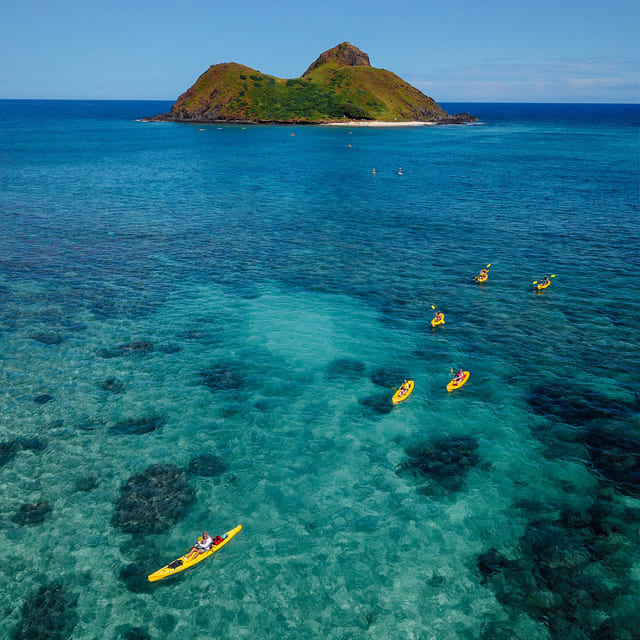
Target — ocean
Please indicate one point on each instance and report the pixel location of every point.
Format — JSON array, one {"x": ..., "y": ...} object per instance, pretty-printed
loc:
[{"x": 203, "y": 326}]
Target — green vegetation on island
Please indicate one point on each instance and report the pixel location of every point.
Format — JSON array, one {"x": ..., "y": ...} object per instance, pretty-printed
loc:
[{"x": 340, "y": 84}]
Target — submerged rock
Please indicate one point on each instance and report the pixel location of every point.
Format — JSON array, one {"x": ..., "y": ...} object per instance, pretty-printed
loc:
[
  {"x": 378, "y": 404},
  {"x": 388, "y": 377},
  {"x": 48, "y": 338},
  {"x": 154, "y": 500},
  {"x": 576, "y": 406},
  {"x": 207, "y": 465},
  {"x": 138, "y": 426},
  {"x": 9, "y": 449},
  {"x": 134, "y": 575},
  {"x": 135, "y": 633},
  {"x": 112, "y": 385},
  {"x": 32, "y": 513},
  {"x": 442, "y": 462},
  {"x": 140, "y": 347},
  {"x": 615, "y": 457},
  {"x": 492, "y": 561},
  {"x": 223, "y": 377},
  {"x": 345, "y": 368},
  {"x": 170, "y": 348},
  {"x": 48, "y": 614},
  {"x": 86, "y": 483},
  {"x": 43, "y": 398},
  {"x": 568, "y": 575}
]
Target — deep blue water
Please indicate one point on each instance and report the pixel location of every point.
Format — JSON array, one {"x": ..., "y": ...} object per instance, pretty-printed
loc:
[{"x": 203, "y": 327}]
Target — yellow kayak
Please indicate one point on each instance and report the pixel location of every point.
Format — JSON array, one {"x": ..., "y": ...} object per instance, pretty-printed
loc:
[
  {"x": 182, "y": 563},
  {"x": 452, "y": 385},
  {"x": 543, "y": 286},
  {"x": 403, "y": 392},
  {"x": 482, "y": 278},
  {"x": 435, "y": 323}
]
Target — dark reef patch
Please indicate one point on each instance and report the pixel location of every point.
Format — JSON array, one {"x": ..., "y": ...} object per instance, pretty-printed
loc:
[
  {"x": 615, "y": 457},
  {"x": 47, "y": 338},
  {"x": 32, "y": 513},
  {"x": 48, "y": 614},
  {"x": 192, "y": 334},
  {"x": 207, "y": 465},
  {"x": 138, "y": 426},
  {"x": 348, "y": 368},
  {"x": 91, "y": 423},
  {"x": 134, "y": 633},
  {"x": 154, "y": 500},
  {"x": 223, "y": 376},
  {"x": 86, "y": 483},
  {"x": 570, "y": 571},
  {"x": 43, "y": 398},
  {"x": 169, "y": 348},
  {"x": 378, "y": 404},
  {"x": 576, "y": 406},
  {"x": 139, "y": 347},
  {"x": 112, "y": 385},
  {"x": 134, "y": 575},
  {"x": 9, "y": 449},
  {"x": 143, "y": 558},
  {"x": 440, "y": 465},
  {"x": 388, "y": 377},
  {"x": 585, "y": 424}
]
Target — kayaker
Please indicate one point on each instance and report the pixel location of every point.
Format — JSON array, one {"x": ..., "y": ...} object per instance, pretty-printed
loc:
[
  {"x": 545, "y": 281},
  {"x": 483, "y": 273},
  {"x": 201, "y": 546},
  {"x": 438, "y": 316},
  {"x": 404, "y": 387},
  {"x": 459, "y": 377}
]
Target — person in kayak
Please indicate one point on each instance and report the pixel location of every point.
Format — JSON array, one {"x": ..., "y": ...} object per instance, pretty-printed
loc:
[
  {"x": 459, "y": 377},
  {"x": 438, "y": 317},
  {"x": 404, "y": 387},
  {"x": 545, "y": 281},
  {"x": 201, "y": 546},
  {"x": 483, "y": 274}
]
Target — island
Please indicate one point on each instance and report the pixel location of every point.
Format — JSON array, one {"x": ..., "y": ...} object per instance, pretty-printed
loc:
[{"x": 340, "y": 86}]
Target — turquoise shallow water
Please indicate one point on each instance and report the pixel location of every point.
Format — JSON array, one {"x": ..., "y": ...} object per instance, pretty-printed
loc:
[{"x": 203, "y": 326}]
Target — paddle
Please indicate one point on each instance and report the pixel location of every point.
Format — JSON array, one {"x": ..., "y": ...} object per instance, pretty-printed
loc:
[{"x": 551, "y": 276}]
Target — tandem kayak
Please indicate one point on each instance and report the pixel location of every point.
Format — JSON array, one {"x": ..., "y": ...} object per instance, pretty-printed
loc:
[
  {"x": 482, "y": 278},
  {"x": 182, "y": 563},
  {"x": 435, "y": 323},
  {"x": 452, "y": 385},
  {"x": 403, "y": 392}
]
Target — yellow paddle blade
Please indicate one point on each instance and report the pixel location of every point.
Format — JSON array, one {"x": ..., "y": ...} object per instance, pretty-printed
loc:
[
  {"x": 535, "y": 282},
  {"x": 553, "y": 275},
  {"x": 433, "y": 307},
  {"x": 488, "y": 265}
]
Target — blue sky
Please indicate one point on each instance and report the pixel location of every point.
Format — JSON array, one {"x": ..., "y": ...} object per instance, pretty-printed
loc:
[{"x": 498, "y": 51}]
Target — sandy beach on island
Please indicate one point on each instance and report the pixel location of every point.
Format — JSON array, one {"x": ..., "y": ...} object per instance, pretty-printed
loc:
[{"x": 378, "y": 123}]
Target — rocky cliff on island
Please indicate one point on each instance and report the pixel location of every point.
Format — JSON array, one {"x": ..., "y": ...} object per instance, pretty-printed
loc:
[{"x": 341, "y": 84}]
